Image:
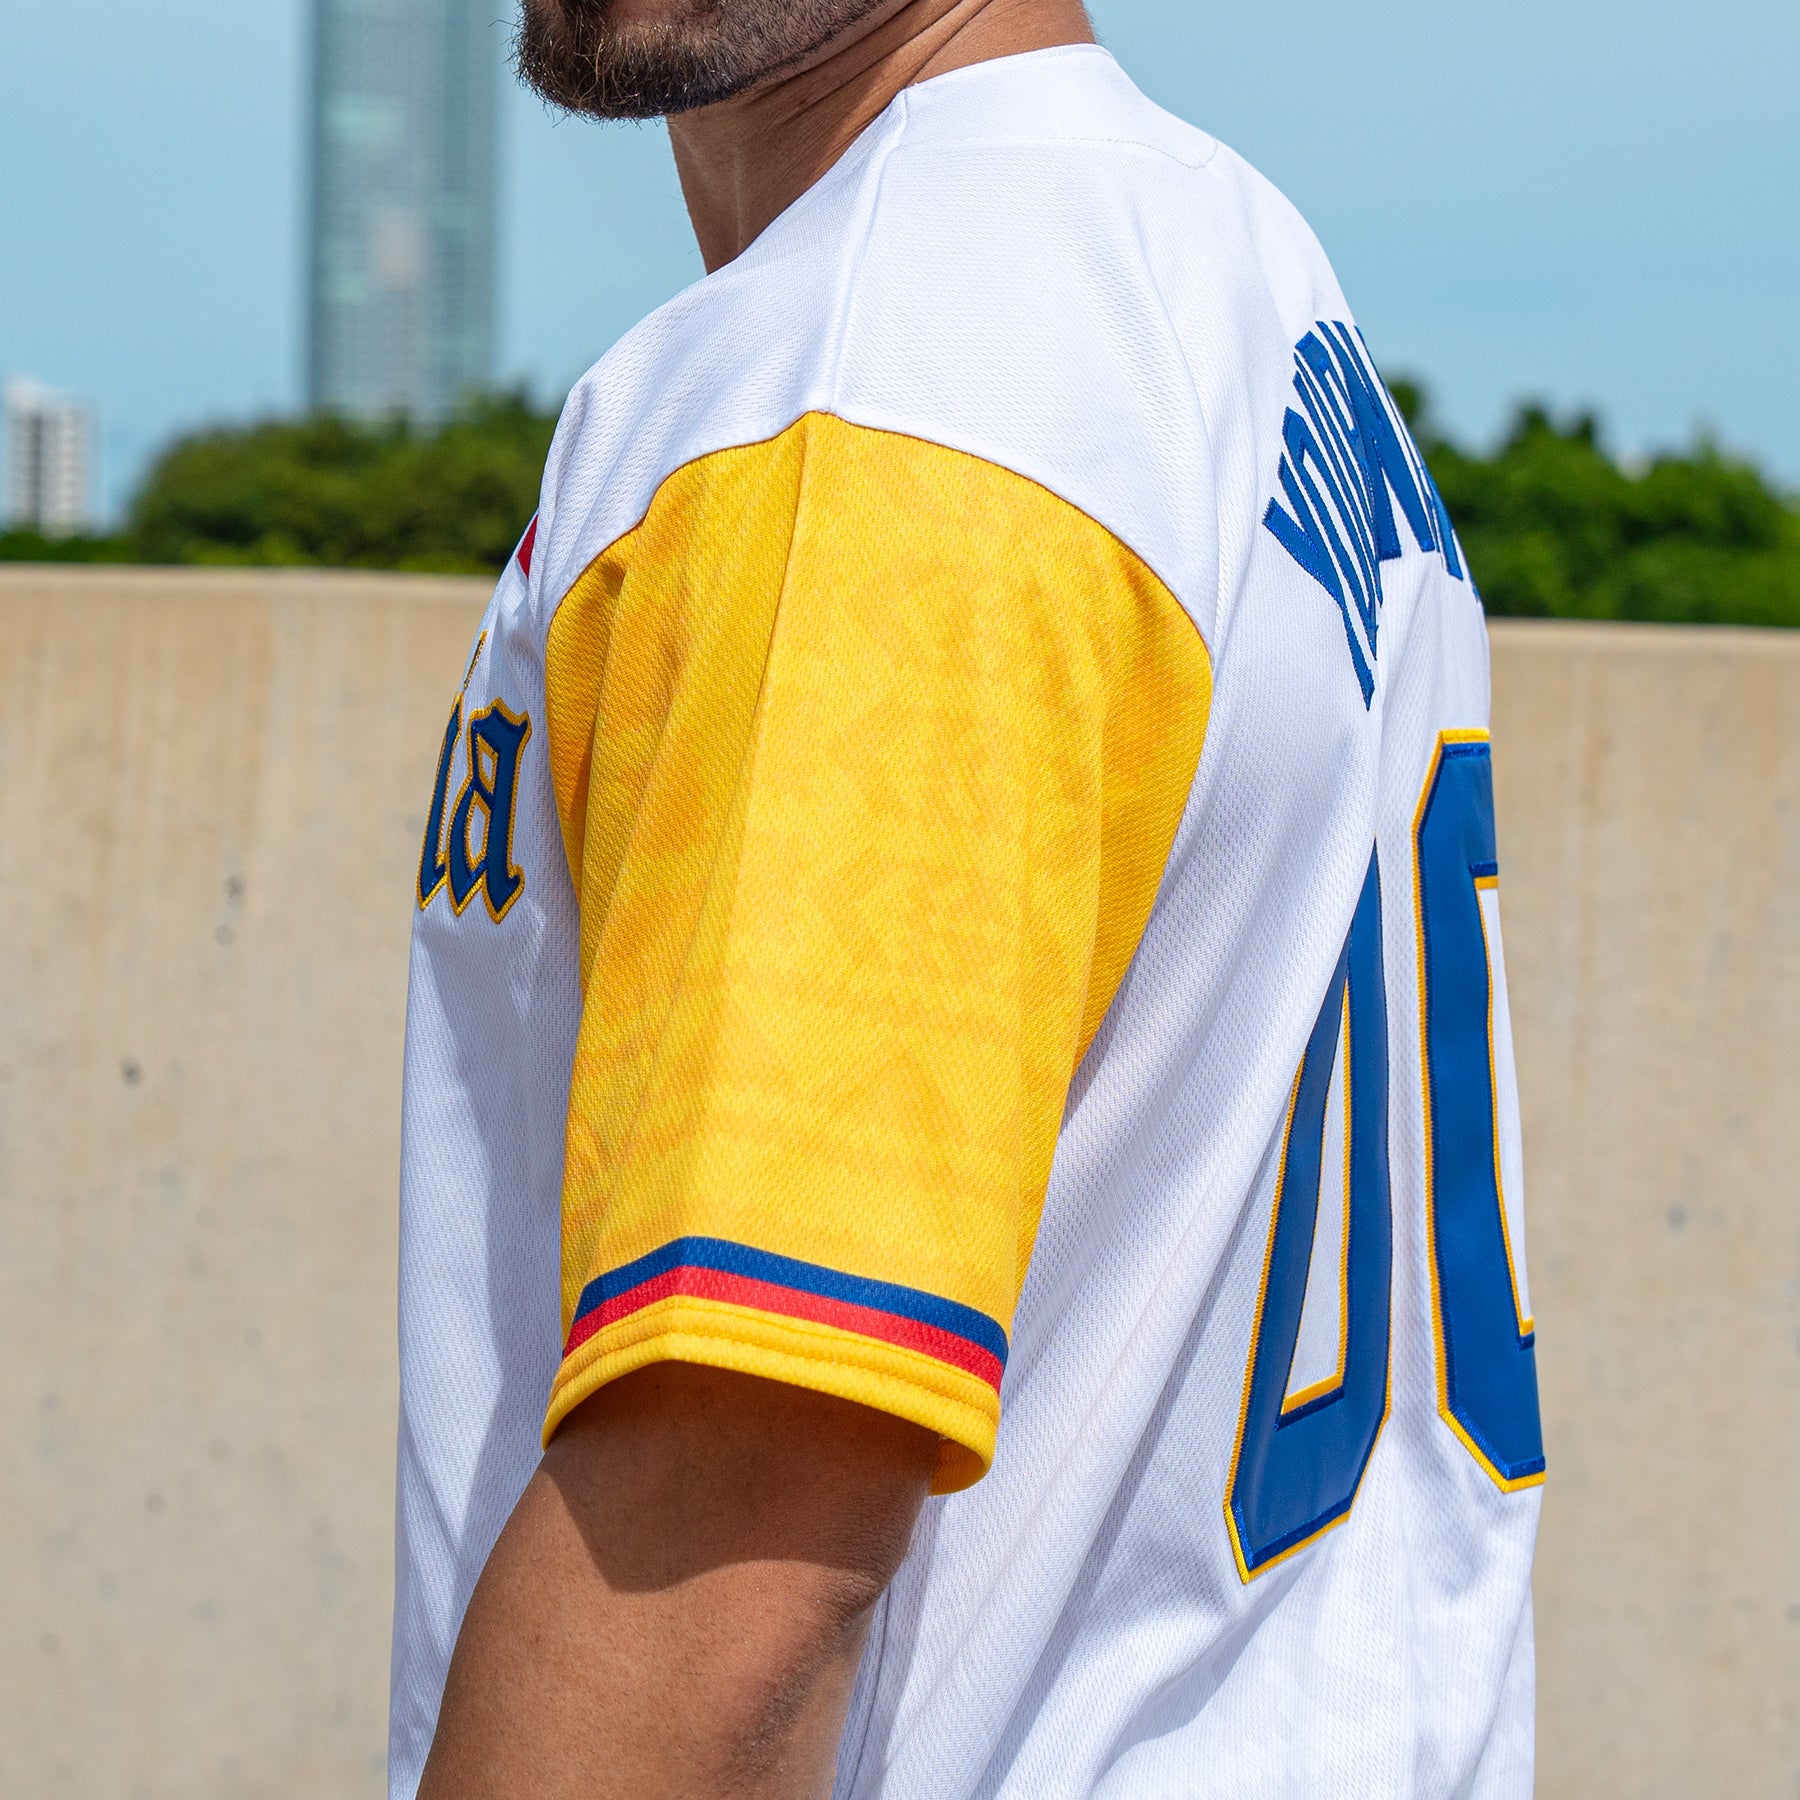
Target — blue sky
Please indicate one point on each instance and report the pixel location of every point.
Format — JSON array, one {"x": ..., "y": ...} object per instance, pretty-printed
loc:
[{"x": 1594, "y": 201}]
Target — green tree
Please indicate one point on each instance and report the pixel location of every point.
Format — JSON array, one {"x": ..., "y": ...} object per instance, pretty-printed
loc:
[
  {"x": 34, "y": 547},
  {"x": 331, "y": 492},
  {"x": 1557, "y": 528}
]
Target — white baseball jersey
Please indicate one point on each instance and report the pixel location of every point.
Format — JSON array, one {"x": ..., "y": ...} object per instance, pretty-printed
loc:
[{"x": 962, "y": 876}]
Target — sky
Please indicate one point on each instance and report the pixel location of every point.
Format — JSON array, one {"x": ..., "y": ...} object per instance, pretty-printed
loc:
[{"x": 1592, "y": 202}]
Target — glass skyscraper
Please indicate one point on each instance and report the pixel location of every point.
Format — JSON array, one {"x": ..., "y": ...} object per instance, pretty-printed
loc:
[{"x": 400, "y": 314}]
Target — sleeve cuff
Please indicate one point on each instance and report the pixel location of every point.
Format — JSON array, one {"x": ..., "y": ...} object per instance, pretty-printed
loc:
[{"x": 960, "y": 1406}]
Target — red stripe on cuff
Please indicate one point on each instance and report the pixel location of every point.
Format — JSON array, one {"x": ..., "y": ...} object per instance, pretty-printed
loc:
[{"x": 771, "y": 1297}]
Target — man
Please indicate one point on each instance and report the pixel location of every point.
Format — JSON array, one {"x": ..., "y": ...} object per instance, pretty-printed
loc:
[{"x": 958, "y": 956}]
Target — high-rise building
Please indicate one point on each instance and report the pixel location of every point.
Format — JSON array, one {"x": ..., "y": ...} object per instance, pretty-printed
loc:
[
  {"x": 49, "y": 441},
  {"x": 400, "y": 310}
]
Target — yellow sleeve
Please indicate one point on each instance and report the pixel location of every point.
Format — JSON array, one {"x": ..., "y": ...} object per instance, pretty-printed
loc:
[{"x": 868, "y": 756}]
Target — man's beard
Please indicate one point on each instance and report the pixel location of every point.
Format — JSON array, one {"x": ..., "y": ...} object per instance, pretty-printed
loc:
[{"x": 572, "y": 53}]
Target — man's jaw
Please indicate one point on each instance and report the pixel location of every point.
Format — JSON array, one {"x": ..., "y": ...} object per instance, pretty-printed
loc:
[{"x": 640, "y": 59}]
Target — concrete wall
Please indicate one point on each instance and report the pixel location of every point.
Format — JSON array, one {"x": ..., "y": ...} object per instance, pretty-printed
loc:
[
  {"x": 1648, "y": 793},
  {"x": 211, "y": 789}
]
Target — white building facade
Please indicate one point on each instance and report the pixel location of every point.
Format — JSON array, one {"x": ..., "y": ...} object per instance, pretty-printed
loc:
[{"x": 49, "y": 440}]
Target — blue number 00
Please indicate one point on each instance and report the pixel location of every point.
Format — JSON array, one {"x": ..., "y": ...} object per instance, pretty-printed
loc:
[
  {"x": 1301, "y": 1452},
  {"x": 1486, "y": 1348}
]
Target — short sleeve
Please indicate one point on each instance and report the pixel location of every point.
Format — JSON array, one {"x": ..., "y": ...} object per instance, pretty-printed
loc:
[{"x": 868, "y": 757}]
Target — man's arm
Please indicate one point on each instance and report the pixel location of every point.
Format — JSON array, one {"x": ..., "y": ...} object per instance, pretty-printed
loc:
[{"x": 677, "y": 1605}]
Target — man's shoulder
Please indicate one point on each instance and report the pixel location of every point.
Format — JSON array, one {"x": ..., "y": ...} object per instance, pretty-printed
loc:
[{"x": 1026, "y": 262}]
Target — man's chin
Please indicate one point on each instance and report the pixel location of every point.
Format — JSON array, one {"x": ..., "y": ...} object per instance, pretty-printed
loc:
[
  {"x": 647, "y": 59},
  {"x": 601, "y": 61}
]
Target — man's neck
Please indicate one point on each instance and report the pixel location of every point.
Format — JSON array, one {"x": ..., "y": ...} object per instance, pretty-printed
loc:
[{"x": 746, "y": 160}]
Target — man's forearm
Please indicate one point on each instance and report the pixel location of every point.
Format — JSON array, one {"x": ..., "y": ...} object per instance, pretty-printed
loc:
[{"x": 677, "y": 1605}]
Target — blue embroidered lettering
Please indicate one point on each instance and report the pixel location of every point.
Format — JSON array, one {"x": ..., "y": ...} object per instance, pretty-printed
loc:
[
  {"x": 496, "y": 737},
  {"x": 1348, "y": 458}
]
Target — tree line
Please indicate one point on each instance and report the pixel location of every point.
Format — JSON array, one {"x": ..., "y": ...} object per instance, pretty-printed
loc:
[
  {"x": 329, "y": 492},
  {"x": 1554, "y": 525}
]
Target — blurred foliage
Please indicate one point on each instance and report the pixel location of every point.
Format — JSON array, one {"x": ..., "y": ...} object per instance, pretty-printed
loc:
[
  {"x": 32, "y": 546},
  {"x": 1554, "y": 525},
  {"x": 333, "y": 493},
  {"x": 327, "y": 491}
]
